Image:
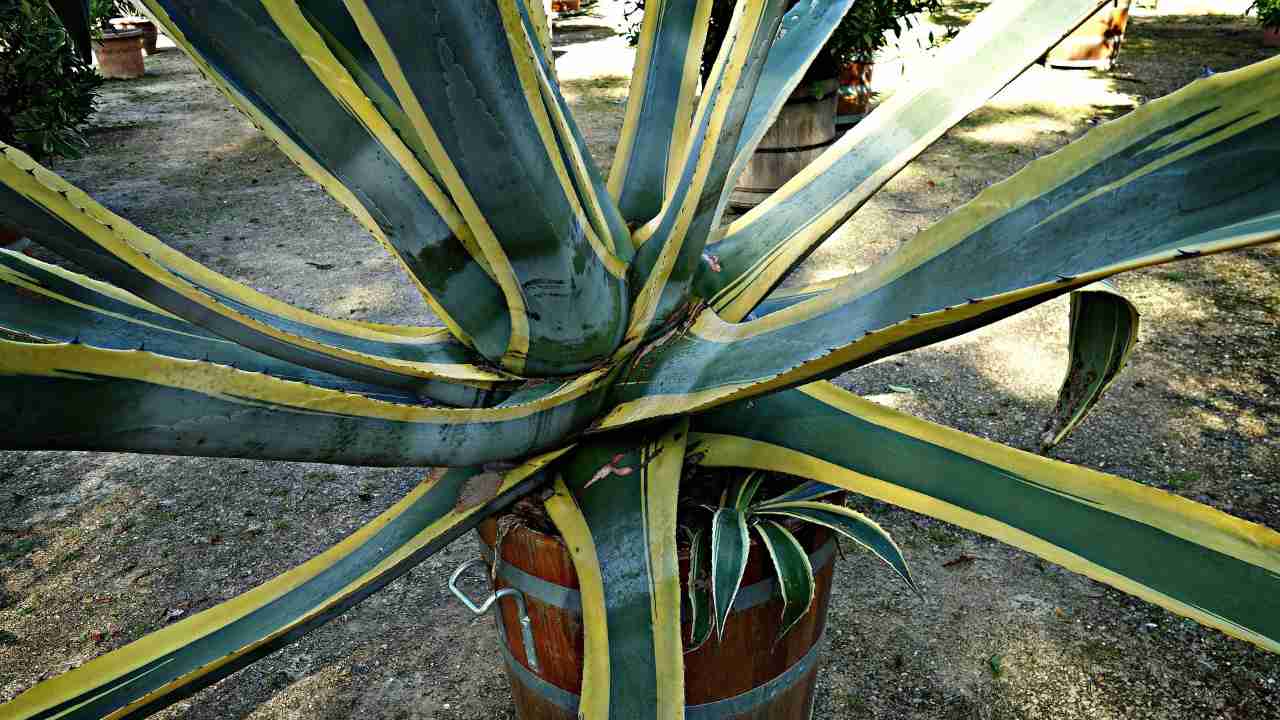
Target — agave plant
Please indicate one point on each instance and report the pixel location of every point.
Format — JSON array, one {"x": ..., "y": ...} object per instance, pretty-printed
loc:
[
  {"x": 591, "y": 322},
  {"x": 719, "y": 552}
]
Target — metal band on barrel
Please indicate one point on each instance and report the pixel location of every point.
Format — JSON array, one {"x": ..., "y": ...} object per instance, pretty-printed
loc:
[
  {"x": 728, "y": 707},
  {"x": 569, "y": 600}
]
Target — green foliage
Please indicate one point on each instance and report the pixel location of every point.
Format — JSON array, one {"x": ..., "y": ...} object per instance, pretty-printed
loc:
[
  {"x": 46, "y": 91},
  {"x": 864, "y": 29},
  {"x": 101, "y": 12},
  {"x": 862, "y": 33},
  {"x": 1268, "y": 12}
]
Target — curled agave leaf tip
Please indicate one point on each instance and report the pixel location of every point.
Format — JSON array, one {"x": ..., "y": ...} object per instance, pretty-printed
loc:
[{"x": 911, "y": 583}]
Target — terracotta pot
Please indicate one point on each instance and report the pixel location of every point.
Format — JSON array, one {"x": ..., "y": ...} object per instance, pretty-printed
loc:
[
  {"x": 119, "y": 54},
  {"x": 564, "y": 6},
  {"x": 1096, "y": 43},
  {"x": 745, "y": 676},
  {"x": 1271, "y": 36},
  {"x": 149, "y": 32},
  {"x": 803, "y": 130},
  {"x": 855, "y": 93}
]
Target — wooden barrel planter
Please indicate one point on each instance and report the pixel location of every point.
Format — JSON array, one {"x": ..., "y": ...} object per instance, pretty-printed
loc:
[
  {"x": 1096, "y": 43},
  {"x": 150, "y": 34},
  {"x": 119, "y": 54},
  {"x": 805, "y": 127},
  {"x": 744, "y": 677}
]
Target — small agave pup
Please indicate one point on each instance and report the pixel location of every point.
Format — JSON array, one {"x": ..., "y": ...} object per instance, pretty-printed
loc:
[
  {"x": 591, "y": 322},
  {"x": 718, "y": 552}
]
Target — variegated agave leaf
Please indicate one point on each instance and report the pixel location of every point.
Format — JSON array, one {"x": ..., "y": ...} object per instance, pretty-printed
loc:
[{"x": 574, "y": 308}]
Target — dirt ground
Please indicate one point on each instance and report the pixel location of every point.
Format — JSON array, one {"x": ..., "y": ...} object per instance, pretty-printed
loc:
[{"x": 98, "y": 549}]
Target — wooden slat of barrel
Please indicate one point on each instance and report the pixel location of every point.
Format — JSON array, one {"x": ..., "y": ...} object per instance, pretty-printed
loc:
[
  {"x": 534, "y": 705},
  {"x": 558, "y": 634},
  {"x": 740, "y": 662},
  {"x": 803, "y": 131},
  {"x": 746, "y": 660}
]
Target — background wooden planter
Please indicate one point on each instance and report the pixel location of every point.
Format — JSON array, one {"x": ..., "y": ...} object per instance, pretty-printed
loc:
[
  {"x": 1271, "y": 36},
  {"x": 150, "y": 35},
  {"x": 119, "y": 54},
  {"x": 745, "y": 677},
  {"x": 1096, "y": 43},
  {"x": 804, "y": 129}
]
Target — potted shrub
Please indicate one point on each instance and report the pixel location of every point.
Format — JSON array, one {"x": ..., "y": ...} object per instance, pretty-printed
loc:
[
  {"x": 804, "y": 126},
  {"x": 131, "y": 18},
  {"x": 1095, "y": 44},
  {"x": 606, "y": 365},
  {"x": 118, "y": 49},
  {"x": 854, "y": 44},
  {"x": 834, "y": 94},
  {"x": 47, "y": 89},
  {"x": 1268, "y": 12},
  {"x": 756, "y": 553}
]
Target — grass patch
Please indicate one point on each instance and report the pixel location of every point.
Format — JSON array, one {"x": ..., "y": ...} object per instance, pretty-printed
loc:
[
  {"x": 1098, "y": 651},
  {"x": 320, "y": 476},
  {"x": 69, "y": 558},
  {"x": 941, "y": 537},
  {"x": 956, "y": 15},
  {"x": 996, "y": 663},
  {"x": 18, "y": 549}
]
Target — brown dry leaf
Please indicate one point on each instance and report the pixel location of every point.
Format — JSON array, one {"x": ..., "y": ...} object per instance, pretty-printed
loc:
[{"x": 478, "y": 490}]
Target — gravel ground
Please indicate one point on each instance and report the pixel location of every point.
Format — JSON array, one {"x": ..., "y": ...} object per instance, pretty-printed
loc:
[{"x": 97, "y": 549}]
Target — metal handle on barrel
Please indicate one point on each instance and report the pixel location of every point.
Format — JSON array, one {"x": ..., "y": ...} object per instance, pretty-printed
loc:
[{"x": 526, "y": 627}]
